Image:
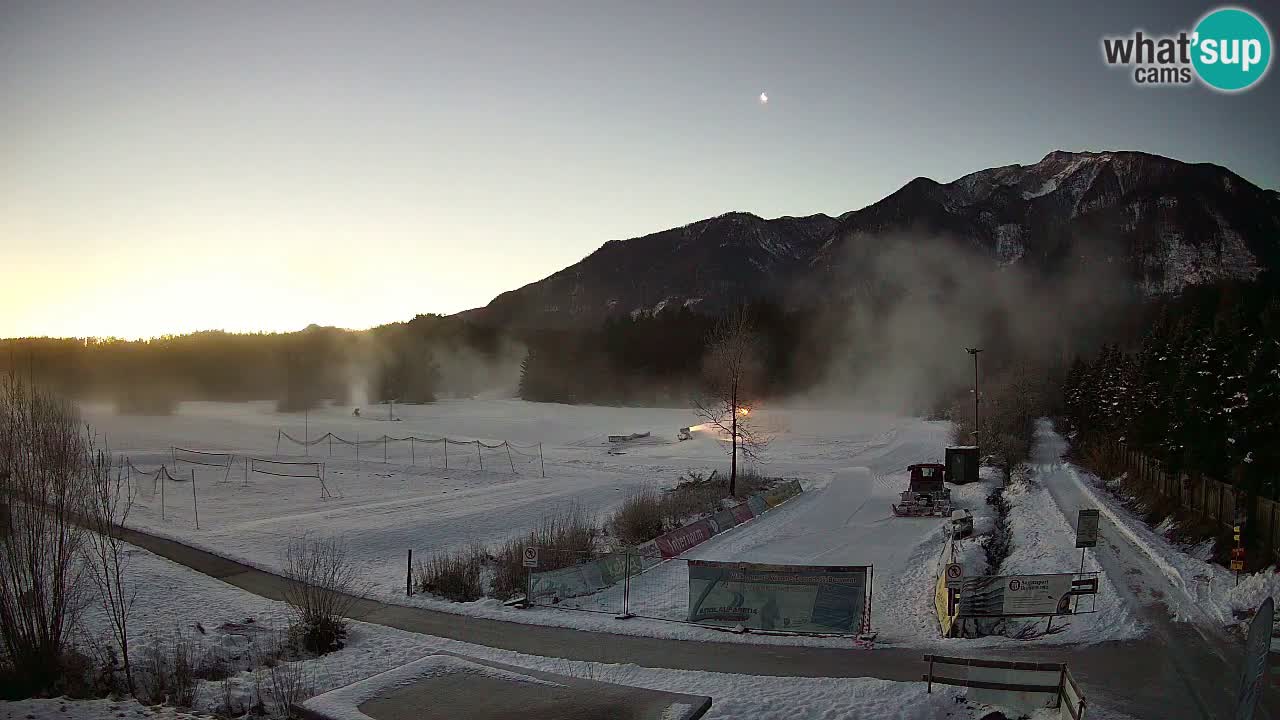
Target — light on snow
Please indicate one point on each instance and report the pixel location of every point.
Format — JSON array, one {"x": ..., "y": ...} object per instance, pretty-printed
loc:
[{"x": 764, "y": 98}]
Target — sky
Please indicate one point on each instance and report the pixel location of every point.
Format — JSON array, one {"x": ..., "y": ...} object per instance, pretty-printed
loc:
[{"x": 177, "y": 166}]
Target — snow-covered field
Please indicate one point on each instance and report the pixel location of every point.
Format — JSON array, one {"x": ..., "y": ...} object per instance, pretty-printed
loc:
[{"x": 852, "y": 465}]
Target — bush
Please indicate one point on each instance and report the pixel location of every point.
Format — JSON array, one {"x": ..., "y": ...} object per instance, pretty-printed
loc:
[
  {"x": 641, "y": 517},
  {"x": 291, "y": 684},
  {"x": 566, "y": 538},
  {"x": 44, "y": 481},
  {"x": 166, "y": 672},
  {"x": 1102, "y": 459},
  {"x": 647, "y": 513},
  {"x": 323, "y": 586},
  {"x": 454, "y": 575}
]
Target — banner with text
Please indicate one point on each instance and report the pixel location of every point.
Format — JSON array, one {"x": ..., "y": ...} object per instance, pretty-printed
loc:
[
  {"x": 789, "y": 598},
  {"x": 1014, "y": 595}
]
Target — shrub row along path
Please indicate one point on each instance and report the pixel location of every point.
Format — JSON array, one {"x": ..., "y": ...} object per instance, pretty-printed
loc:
[{"x": 1177, "y": 671}]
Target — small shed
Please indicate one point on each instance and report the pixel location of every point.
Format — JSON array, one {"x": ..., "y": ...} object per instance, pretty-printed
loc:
[{"x": 962, "y": 464}]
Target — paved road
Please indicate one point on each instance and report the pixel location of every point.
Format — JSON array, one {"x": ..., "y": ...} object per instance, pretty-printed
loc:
[
  {"x": 1196, "y": 663},
  {"x": 1180, "y": 670}
]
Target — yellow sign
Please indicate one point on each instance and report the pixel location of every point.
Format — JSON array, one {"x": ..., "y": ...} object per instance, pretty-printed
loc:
[
  {"x": 1237, "y": 564},
  {"x": 942, "y": 604}
]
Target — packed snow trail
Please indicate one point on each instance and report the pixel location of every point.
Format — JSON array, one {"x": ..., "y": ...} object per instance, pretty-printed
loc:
[
  {"x": 1199, "y": 664},
  {"x": 847, "y": 523}
]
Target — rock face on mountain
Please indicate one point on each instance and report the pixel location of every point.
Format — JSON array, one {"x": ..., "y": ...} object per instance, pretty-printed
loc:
[
  {"x": 700, "y": 266},
  {"x": 1161, "y": 223}
]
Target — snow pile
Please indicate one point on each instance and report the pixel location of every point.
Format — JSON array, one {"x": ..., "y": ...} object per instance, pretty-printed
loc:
[{"x": 66, "y": 709}]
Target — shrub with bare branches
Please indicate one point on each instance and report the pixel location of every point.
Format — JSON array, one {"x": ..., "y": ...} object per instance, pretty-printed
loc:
[
  {"x": 167, "y": 672},
  {"x": 42, "y": 487},
  {"x": 455, "y": 574},
  {"x": 569, "y": 536},
  {"x": 324, "y": 585},
  {"x": 106, "y": 554},
  {"x": 640, "y": 518}
]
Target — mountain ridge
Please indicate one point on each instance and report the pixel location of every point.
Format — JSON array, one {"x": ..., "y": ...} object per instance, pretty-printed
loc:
[{"x": 1165, "y": 223}]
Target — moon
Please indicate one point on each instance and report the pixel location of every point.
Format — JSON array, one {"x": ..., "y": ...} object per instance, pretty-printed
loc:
[{"x": 764, "y": 98}]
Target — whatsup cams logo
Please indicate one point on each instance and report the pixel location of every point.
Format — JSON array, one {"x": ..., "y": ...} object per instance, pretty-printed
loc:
[{"x": 1228, "y": 50}]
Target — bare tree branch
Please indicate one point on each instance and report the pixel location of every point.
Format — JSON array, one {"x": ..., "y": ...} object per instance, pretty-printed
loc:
[{"x": 732, "y": 374}]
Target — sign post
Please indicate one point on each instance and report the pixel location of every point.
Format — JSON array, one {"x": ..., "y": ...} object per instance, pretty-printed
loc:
[
  {"x": 1237, "y": 553},
  {"x": 1086, "y": 537},
  {"x": 530, "y": 561},
  {"x": 955, "y": 575}
]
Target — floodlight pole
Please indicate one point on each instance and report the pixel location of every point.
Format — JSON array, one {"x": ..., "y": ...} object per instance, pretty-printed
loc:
[{"x": 976, "y": 424}]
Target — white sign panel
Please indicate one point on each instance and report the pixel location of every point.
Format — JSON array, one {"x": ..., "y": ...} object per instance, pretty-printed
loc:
[
  {"x": 955, "y": 574},
  {"x": 531, "y": 557},
  {"x": 1006, "y": 595}
]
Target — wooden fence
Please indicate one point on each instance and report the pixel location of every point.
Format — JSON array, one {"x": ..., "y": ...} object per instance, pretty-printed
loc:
[{"x": 1209, "y": 498}]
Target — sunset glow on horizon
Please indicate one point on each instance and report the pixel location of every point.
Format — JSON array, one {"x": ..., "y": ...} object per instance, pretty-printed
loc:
[{"x": 173, "y": 167}]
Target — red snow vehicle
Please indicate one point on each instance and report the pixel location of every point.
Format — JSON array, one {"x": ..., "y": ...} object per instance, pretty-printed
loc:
[{"x": 927, "y": 495}]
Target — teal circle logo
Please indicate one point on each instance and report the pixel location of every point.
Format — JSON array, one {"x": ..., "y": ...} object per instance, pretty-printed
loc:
[{"x": 1232, "y": 49}]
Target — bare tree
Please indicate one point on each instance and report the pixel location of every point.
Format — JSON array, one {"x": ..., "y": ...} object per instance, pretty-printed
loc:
[
  {"x": 109, "y": 502},
  {"x": 324, "y": 585},
  {"x": 731, "y": 375},
  {"x": 42, "y": 487}
]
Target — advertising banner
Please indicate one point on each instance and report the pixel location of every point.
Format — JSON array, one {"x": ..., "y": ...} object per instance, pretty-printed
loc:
[
  {"x": 589, "y": 577},
  {"x": 724, "y": 520},
  {"x": 783, "y": 492},
  {"x": 681, "y": 539},
  {"x": 942, "y": 605},
  {"x": 1013, "y": 595},
  {"x": 742, "y": 512},
  {"x": 790, "y": 598},
  {"x": 567, "y": 582},
  {"x": 757, "y": 503}
]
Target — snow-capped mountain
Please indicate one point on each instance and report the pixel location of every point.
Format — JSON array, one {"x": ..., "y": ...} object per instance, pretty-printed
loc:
[{"x": 1166, "y": 224}]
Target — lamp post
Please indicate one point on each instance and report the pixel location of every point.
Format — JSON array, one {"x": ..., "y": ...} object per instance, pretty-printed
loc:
[{"x": 974, "y": 352}]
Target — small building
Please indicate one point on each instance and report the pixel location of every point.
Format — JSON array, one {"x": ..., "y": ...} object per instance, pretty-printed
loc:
[{"x": 962, "y": 464}]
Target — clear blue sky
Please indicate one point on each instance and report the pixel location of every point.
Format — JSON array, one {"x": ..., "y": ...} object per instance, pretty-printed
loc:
[{"x": 172, "y": 166}]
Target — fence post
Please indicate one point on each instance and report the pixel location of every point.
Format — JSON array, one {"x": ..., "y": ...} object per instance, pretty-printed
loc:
[
  {"x": 446, "y": 453},
  {"x": 626, "y": 588},
  {"x": 413, "y": 454},
  {"x": 479, "y": 456},
  {"x": 330, "y": 444},
  {"x": 408, "y": 575},
  {"x": 278, "y": 433},
  {"x": 195, "y": 506},
  {"x": 541, "y": 462},
  {"x": 513, "y": 463},
  {"x": 384, "y": 447},
  {"x": 1271, "y": 535},
  {"x": 162, "y": 474},
  {"x": 528, "y": 588}
]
